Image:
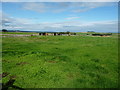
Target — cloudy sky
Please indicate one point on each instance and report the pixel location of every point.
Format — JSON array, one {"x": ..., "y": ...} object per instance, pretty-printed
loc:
[{"x": 60, "y": 16}]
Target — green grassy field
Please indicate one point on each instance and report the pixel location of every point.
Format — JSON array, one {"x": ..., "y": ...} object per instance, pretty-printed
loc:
[{"x": 61, "y": 61}]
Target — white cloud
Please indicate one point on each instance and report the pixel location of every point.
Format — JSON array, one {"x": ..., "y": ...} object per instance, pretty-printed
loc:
[
  {"x": 56, "y": 7},
  {"x": 13, "y": 23},
  {"x": 38, "y": 7},
  {"x": 23, "y": 20},
  {"x": 45, "y": 7},
  {"x": 71, "y": 18},
  {"x": 85, "y": 6},
  {"x": 101, "y": 26}
]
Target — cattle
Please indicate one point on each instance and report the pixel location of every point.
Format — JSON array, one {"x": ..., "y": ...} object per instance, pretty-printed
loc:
[
  {"x": 56, "y": 33},
  {"x": 59, "y": 34},
  {"x": 108, "y": 34},
  {"x": 40, "y": 33}
]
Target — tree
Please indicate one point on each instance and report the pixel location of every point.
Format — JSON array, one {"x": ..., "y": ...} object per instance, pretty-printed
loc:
[
  {"x": 4, "y": 30},
  {"x": 68, "y": 32}
]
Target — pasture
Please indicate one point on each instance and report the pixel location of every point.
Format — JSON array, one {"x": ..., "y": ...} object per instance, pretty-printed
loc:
[{"x": 61, "y": 61}]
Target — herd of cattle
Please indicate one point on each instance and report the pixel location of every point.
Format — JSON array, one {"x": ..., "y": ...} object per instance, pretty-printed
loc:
[
  {"x": 56, "y": 33},
  {"x": 71, "y": 33}
]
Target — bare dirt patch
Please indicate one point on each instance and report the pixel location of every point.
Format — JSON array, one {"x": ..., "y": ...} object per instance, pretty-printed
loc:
[
  {"x": 13, "y": 77},
  {"x": 101, "y": 36},
  {"x": 52, "y": 61},
  {"x": 4, "y": 74},
  {"x": 70, "y": 75},
  {"x": 105, "y": 36},
  {"x": 22, "y": 63},
  {"x": 5, "y": 61}
]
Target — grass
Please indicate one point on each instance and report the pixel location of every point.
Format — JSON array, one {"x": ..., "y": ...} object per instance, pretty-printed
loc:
[{"x": 61, "y": 61}]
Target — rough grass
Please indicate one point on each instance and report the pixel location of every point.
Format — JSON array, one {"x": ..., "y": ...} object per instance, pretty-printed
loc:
[{"x": 61, "y": 61}]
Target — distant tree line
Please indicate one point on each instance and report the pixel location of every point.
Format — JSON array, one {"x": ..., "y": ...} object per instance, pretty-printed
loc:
[{"x": 4, "y": 30}]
